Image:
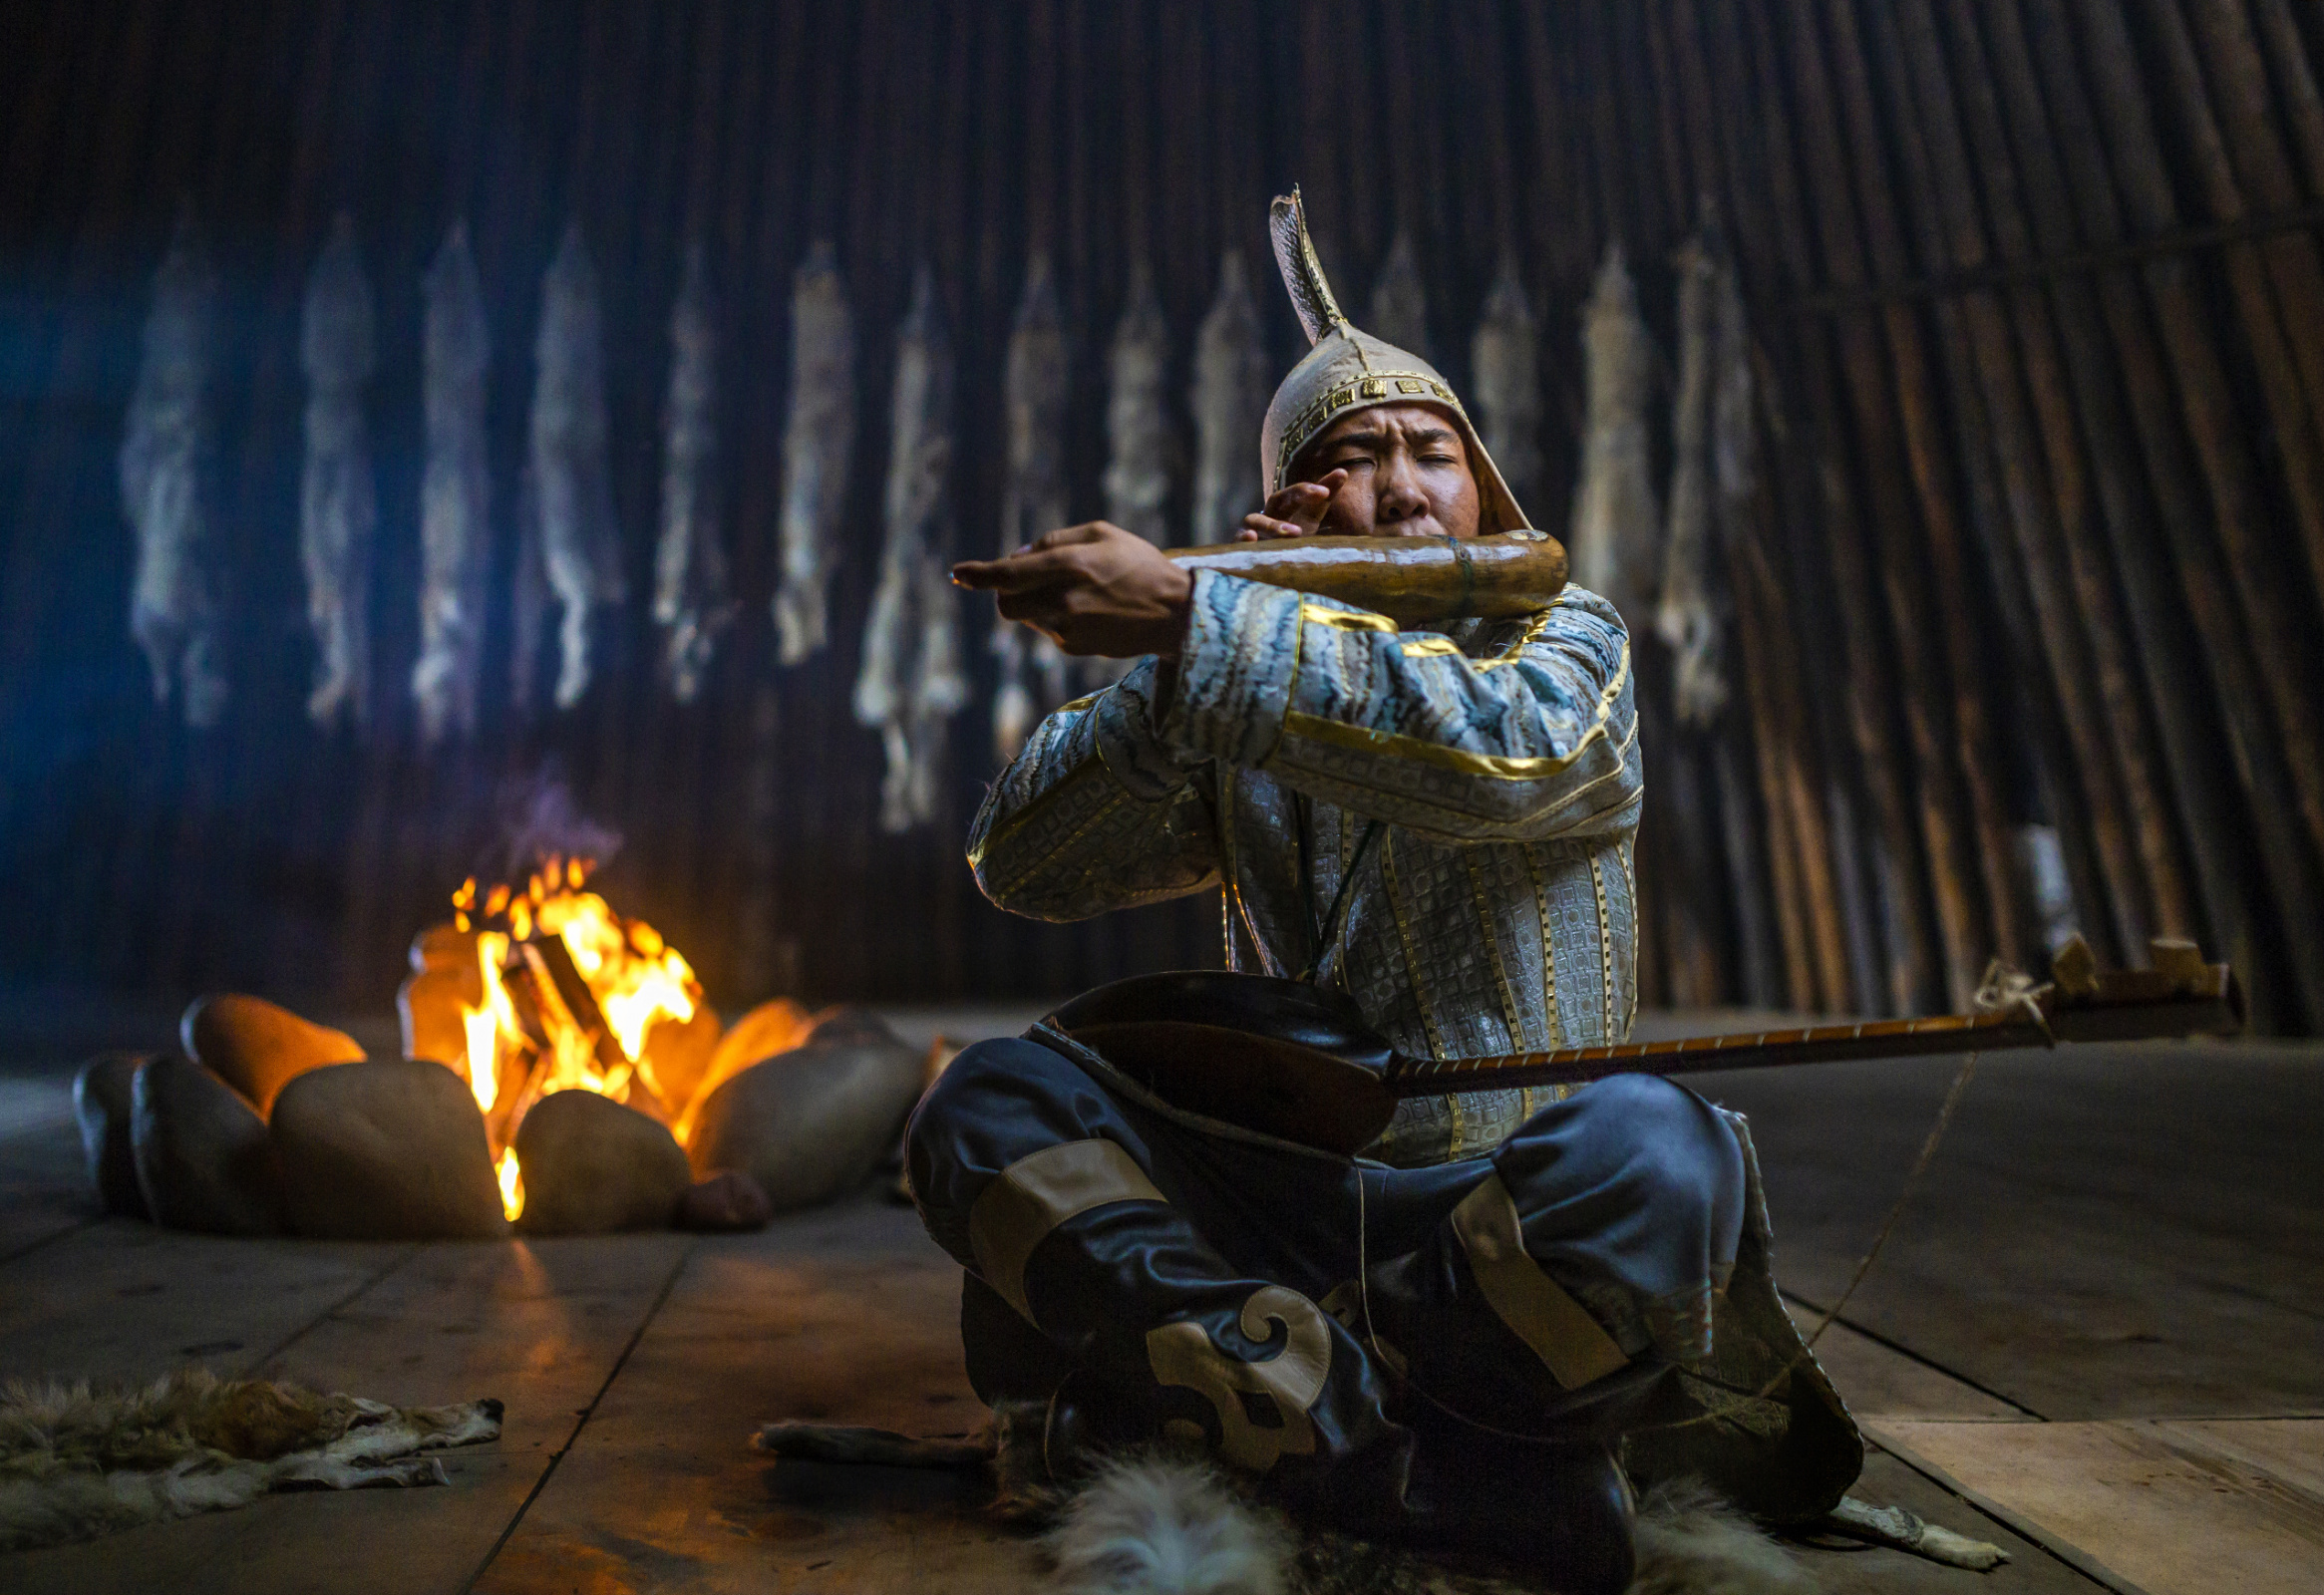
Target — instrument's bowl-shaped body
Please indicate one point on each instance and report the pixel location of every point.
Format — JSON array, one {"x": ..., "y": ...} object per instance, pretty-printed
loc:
[
  {"x": 1275, "y": 1056},
  {"x": 1411, "y": 579}
]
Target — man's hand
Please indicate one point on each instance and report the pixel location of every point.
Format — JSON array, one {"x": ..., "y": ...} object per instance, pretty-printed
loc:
[
  {"x": 1091, "y": 589},
  {"x": 1299, "y": 511}
]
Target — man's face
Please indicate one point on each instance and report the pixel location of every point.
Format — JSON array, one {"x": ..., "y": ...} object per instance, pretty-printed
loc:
[{"x": 1407, "y": 474}]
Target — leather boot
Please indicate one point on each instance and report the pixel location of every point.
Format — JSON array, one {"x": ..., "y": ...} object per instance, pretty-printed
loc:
[{"x": 1562, "y": 1511}]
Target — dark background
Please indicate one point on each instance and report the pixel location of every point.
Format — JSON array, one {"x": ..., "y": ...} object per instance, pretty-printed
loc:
[{"x": 2037, "y": 541}]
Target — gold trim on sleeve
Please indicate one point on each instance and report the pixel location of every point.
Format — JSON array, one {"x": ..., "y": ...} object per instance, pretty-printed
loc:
[
  {"x": 1432, "y": 647},
  {"x": 1571, "y": 1345},
  {"x": 1598, "y": 880},
  {"x": 1345, "y": 620},
  {"x": 1525, "y": 639},
  {"x": 1035, "y": 1194}
]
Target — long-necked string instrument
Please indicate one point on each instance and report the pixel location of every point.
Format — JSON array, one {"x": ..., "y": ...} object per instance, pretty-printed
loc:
[{"x": 1299, "y": 1063}]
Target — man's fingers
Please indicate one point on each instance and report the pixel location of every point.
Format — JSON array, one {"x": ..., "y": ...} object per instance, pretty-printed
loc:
[
  {"x": 1066, "y": 537},
  {"x": 1256, "y": 526},
  {"x": 1037, "y": 567},
  {"x": 1285, "y": 503}
]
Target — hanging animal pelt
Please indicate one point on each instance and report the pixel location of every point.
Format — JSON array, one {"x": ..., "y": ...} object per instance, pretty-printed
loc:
[
  {"x": 1505, "y": 354},
  {"x": 454, "y": 493},
  {"x": 1034, "y": 390},
  {"x": 818, "y": 440},
  {"x": 1612, "y": 545},
  {"x": 1688, "y": 616},
  {"x": 911, "y": 681},
  {"x": 571, "y": 498},
  {"x": 165, "y": 460},
  {"x": 1138, "y": 422},
  {"x": 1230, "y": 400},
  {"x": 338, "y": 500},
  {"x": 1138, "y": 433},
  {"x": 692, "y": 600},
  {"x": 1400, "y": 301}
]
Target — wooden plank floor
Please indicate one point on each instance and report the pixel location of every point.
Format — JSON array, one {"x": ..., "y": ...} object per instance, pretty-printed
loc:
[{"x": 2080, "y": 1206}]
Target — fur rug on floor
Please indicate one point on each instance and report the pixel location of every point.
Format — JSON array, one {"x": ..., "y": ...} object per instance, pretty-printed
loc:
[
  {"x": 78, "y": 1461},
  {"x": 1170, "y": 1523},
  {"x": 1161, "y": 1525}
]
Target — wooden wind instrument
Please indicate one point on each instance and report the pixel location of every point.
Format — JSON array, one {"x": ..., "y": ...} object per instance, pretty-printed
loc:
[{"x": 1408, "y": 580}]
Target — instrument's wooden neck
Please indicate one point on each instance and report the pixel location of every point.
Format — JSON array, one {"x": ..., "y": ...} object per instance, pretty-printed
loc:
[{"x": 2189, "y": 1000}]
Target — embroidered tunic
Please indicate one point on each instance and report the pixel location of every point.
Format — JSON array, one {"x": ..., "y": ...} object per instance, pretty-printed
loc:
[{"x": 1495, "y": 908}]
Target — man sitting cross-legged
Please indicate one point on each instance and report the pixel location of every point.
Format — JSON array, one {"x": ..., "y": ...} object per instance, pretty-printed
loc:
[{"x": 1448, "y": 1335}]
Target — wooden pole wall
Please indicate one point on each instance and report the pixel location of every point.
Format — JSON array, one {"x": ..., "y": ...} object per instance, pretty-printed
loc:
[{"x": 2035, "y": 549}]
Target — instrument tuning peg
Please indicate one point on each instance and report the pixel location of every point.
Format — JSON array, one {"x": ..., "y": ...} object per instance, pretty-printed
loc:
[
  {"x": 2074, "y": 968},
  {"x": 2180, "y": 962}
]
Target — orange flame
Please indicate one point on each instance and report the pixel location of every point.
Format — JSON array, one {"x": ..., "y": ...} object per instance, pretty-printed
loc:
[
  {"x": 512, "y": 1186},
  {"x": 636, "y": 977}
]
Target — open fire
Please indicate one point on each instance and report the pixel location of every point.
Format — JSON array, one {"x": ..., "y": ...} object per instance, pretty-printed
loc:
[{"x": 570, "y": 993}]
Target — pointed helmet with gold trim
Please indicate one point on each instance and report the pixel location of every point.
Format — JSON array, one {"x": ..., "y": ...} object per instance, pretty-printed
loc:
[{"x": 1349, "y": 370}]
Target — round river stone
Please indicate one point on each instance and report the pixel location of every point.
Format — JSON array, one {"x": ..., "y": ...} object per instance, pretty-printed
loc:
[
  {"x": 392, "y": 1148},
  {"x": 591, "y": 1164},
  {"x": 726, "y": 1204},
  {"x": 100, "y": 1105},
  {"x": 813, "y": 1123},
  {"x": 257, "y": 1046},
  {"x": 201, "y": 1153}
]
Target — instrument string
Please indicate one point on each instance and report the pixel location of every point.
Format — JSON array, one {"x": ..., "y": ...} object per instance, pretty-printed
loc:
[{"x": 1929, "y": 1147}]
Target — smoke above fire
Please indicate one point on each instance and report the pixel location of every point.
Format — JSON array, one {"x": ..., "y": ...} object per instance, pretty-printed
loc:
[{"x": 539, "y": 818}]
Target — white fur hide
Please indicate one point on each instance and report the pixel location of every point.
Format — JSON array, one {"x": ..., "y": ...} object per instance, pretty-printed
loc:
[
  {"x": 818, "y": 443},
  {"x": 1687, "y": 616},
  {"x": 910, "y": 680},
  {"x": 1156, "y": 1526},
  {"x": 1171, "y": 1526},
  {"x": 1612, "y": 545},
  {"x": 77, "y": 1461},
  {"x": 454, "y": 493},
  {"x": 1034, "y": 390},
  {"x": 692, "y": 601},
  {"x": 165, "y": 458},
  {"x": 571, "y": 495},
  {"x": 338, "y": 500},
  {"x": 1399, "y": 300},
  {"x": 1505, "y": 354},
  {"x": 1230, "y": 401}
]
